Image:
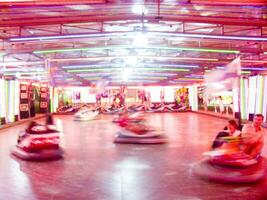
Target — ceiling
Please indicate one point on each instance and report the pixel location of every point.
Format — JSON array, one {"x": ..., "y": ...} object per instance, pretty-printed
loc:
[{"x": 82, "y": 42}]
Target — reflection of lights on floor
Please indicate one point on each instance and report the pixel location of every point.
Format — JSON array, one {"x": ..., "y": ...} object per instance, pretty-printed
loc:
[
  {"x": 130, "y": 164},
  {"x": 18, "y": 179}
]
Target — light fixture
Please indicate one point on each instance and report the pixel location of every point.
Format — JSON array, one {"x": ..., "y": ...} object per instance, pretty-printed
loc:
[
  {"x": 139, "y": 9},
  {"x": 138, "y": 69},
  {"x": 6, "y": 64},
  {"x": 254, "y": 68},
  {"x": 140, "y": 40},
  {"x": 191, "y": 79},
  {"x": 245, "y": 72},
  {"x": 131, "y": 47},
  {"x": 132, "y": 33},
  {"x": 254, "y": 61},
  {"x": 70, "y": 36},
  {"x": 114, "y": 57},
  {"x": 131, "y": 60}
]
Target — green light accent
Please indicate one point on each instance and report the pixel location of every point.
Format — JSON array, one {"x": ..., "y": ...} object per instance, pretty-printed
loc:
[
  {"x": 245, "y": 72},
  {"x": 113, "y": 47},
  {"x": 119, "y": 69}
]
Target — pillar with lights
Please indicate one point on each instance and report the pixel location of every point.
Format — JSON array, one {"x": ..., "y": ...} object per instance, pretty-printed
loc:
[{"x": 2, "y": 102}]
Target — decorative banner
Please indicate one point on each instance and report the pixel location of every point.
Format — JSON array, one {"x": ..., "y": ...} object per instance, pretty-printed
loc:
[
  {"x": 24, "y": 95},
  {"x": 44, "y": 95},
  {"x": 24, "y": 101},
  {"x": 44, "y": 99},
  {"x": 43, "y": 105},
  {"x": 24, "y": 107}
]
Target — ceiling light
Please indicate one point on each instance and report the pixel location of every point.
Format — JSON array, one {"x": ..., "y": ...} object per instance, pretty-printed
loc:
[
  {"x": 142, "y": 44},
  {"x": 140, "y": 40},
  {"x": 138, "y": 69},
  {"x": 5, "y": 64},
  {"x": 139, "y": 9},
  {"x": 129, "y": 33},
  {"x": 131, "y": 60}
]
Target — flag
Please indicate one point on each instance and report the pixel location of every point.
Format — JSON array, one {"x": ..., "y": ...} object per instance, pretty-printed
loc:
[{"x": 222, "y": 80}]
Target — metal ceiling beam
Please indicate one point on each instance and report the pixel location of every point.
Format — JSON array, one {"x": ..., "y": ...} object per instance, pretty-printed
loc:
[
  {"x": 46, "y": 3},
  {"x": 125, "y": 17}
]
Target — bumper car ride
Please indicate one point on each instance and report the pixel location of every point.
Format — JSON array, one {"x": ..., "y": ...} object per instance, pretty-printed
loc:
[
  {"x": 85, "y": 115},
  {"x": 231, "y": 168},
  {"x": 143, "y": 137},
  {"x": 38, "y": 147}
]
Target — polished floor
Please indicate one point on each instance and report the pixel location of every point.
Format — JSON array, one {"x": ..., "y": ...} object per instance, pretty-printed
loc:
[{"x": 95, "y": 168}]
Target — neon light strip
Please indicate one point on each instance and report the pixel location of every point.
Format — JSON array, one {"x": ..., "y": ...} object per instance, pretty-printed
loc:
[
  {"x": 130, "y": 33},
  {"x": 133, "y": 81},
  {"x": 100, "y": 74},
  {"x": 132, "y": 47},
  {"x": 22, "y": 69},
  {"x": 25, "y": 73},
  {"x": 118, "y": 65},
  {"x": 114, "y": 57},
  {"x": 12, "y": 64},
  {"x": 191, "y": 79},
  {"x": 248, "y": 68},
  {"x": 245, "y": 72},
  {"x": 254, "y": 68},
  {"x": 130, "y": 77},
  {"x": 254, "y": 61},
  {"x": 19, "y": 39},
  {"x": 139, "y": 69}
]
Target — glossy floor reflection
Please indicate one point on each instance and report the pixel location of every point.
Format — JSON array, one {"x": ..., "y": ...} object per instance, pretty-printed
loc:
[{"x": 95, "y": 168}]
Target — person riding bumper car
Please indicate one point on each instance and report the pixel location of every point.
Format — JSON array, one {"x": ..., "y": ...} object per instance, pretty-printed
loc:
[
  {"x": 39, "y": 142},
  {"x": 132, "y": 129},
  {"x": 85, "y": 114},
  {"x": 230, "y": 164}
]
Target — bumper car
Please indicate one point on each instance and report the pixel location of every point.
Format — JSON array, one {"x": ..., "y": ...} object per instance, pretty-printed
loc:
[
  {"x": 85, "y": 115},
  {"x": 156, "y": 108},
  {"x": 68, "y": 110},
  {"x": 132, "y": 129},
  {"x": 39, "y": 143},
  {"x": 231, "y": 166},
  {"x": 176, "y": 108},
  {"x": 113, "y": 110}
]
